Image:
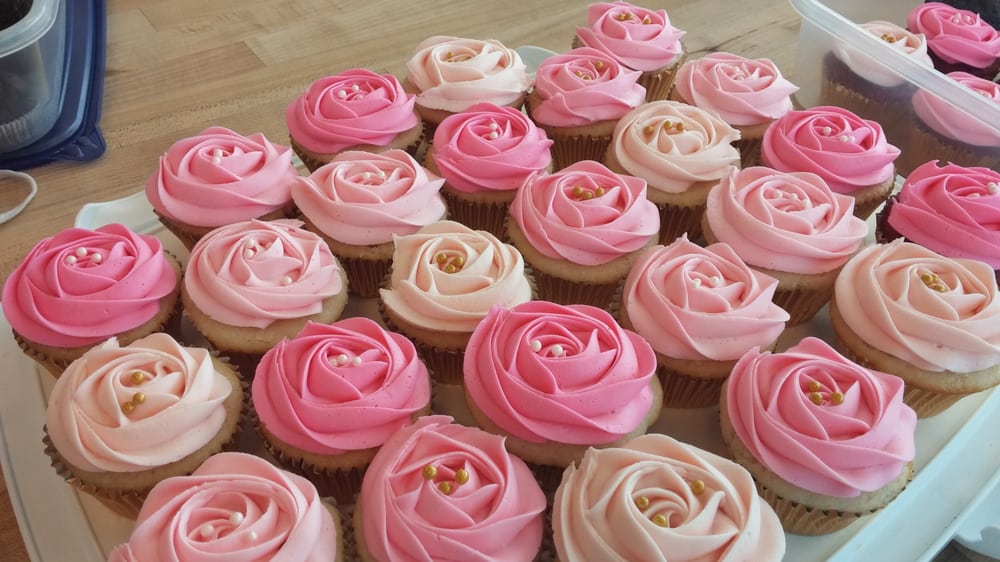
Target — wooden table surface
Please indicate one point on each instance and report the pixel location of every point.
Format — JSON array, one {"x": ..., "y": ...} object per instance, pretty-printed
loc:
[{"x": 175, "y": 67}]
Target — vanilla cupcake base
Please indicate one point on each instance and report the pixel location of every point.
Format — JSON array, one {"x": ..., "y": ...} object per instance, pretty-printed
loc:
[{"x": 868, "y": 199}]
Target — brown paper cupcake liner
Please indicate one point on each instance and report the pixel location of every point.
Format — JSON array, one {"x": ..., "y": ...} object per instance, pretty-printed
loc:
[
  {"x": 803, "y": 520},
  {"x": 570, "y": 149},
  {"x": 749, "y": 151},
  {"x": 801, "y": 304},
  {"x": 564, "y": 291},
  {"x": 658, "y": 83},
  {"x": 676, "y": 220},
  {"x": 445, "y": 365},
  {"x": 683, "y": 391},
  {"x": 364, "y": 276},
  {"x": 490, "y": 217},
  {"x": 928, "y": 403},
  {"x": 55, "y": 367}
]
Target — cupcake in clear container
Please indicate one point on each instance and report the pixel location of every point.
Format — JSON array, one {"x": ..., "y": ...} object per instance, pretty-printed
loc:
[{"x": 958, "y": 39}]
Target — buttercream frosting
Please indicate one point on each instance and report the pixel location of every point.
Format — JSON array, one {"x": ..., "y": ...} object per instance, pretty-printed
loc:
[
  {"x": 848, "y": 152},
  {"x": 219, "y": 177},
  {"x": 874, "y": 70},
  {"x": 441, "y": 491},
  {"x": 607, "y": 507},
  {"x": 234, "y": 507},
  {"x": 181, "y": 410},
  {"x": 584, "y": 86},
  {"x": 936, "y": 313},
  {"x": 354, "y": 108},
  {"x": 852, "y": 435},
  {"x": 697, "y": 303},
  {"x": 742, "y": 91},
  {"x": 784, "y": 221},
  {"x": 489, "y": 148},
  {"x": 81, "y": 286},
  {"x": 340, "y": 387},
  {"x": 585, "y": 214},
  {"x": 637, "y": 37},
  {"x": 956, "y": 36},
  {"x": 546, "y": 372},
  {"x": 454, "y": 73},
  {"x": 674, "y": 145},
  {"x": 954, "y": 123},
  {"x": 255, "y": 272},
  {"x": 364, "y": 198},
  {"x": 447, "y": 276},
  {"x": 951, "y": 209}
]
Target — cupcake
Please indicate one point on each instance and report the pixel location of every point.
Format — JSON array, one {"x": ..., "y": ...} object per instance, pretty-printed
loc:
[
  {"x": 441, "y": 491},
  {"x": 219, "y": 177},
  {"x": 958, "y": 40},
  {"x": 930, "y": 320},
  {"x": 359, "y": 200},
  {"x": 355, "y": 110},
  {"x": 790, "y": 226},
  {"x": 250, "y": 284},
  {"x": 80, "y": 287},
  {"x": 748, "y": 94},
  {"x": 949, "y": 209},
  {"x": 701, "y": 506},
  {"x": 328, "y": 398},
  {"x": 827, "y": 441},
  {"x": 639, "y": 38},
  {"x": 700, "y": 309},
  {"x": 235, "y": 507},
  {"x": 578, "y": 98},
  {"x": 941, "y": 131},
  {"x": 122, "y": 418},
  {"x": 851, "y": 154},
  {"x": 580, "y": 229},
  {"x": 444, "y": 280},
  {"x": 450, "y": 74},
  {"x": 485, "y": 153},
  {"x": 682, "y": 152},
  {"x": 557, "y": 379}
]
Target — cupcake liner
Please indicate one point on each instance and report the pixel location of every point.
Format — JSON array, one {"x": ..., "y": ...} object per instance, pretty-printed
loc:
[
  {"x": 490, "y": 217},
  {"x": 928, "y": 403},
  {"x": 868, "y": 200},
  {"x": 684, "y": 391},
  {"x": 676, "y": 220},
  {"x": 54, "y": 366},
  {"x": 749, "y": 151},
  {"x": 548, "y": 477},
  {"x": 923, "y": 145},
  {"x": 658, "y": 83},
  {"x": 801, "y": 304},
  {"x": 364, "y": 276},
  {"x": 187, "y": 237},
  {"x": 443, "y": 364},
  {"x": 575, "y": 148},
  {"x": 563, "y": 291},
  {"x": 803, "y": 520}
]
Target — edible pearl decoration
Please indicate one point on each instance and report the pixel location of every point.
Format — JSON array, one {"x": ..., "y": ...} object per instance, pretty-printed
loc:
[
  {"x": 236, "y": 518},
  {"x": 206, "y": 531},
  {"x": 536, "y": 345}
]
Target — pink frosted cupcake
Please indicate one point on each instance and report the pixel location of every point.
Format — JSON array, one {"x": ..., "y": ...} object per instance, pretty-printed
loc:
[
  {"x": 328, "y": 398},
  {"x": 359, "y": 200},
  {"x": 355, "y": 110},
  {"x": 682, "y": 152},
  {"x": 639, "y": 38},
  {"x": 701, "y": 506},
  {"x": 959, "y": 40},
  {"x": 451, "y": 74},
  {"x": 448, "y": 492},
  {"x": 790, "y": 226},
  {"x": 235, "y": 507},
  {"x": 485, "y": 153},
  {"x": 578, "y": 98},
  {"x": 827, "y": 441},
  {"x": 558, "y": 379},
  {"x": 80, "y": 287},
  {"x": 580, "y": 229},
  {"x": 749, "y": 94},
  {"x": 219, "y": 177},
  {"x": 700, "y": 309},
  {"x": 851, "y": 154}
]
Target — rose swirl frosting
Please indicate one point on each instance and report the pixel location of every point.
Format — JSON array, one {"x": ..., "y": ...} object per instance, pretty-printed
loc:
[
  {"x": 568, "y": 374},
  {"x": 913, "y": 45},
  {"x": 441, "y": 491},
  {"x": 655, "y": 498},
  {"x": 954, "y": 123},
  {"x": 956, "y": 36},
  {"x": 637, "y": 37},
  {"x": 219, "y": 177},
  {"x": 234, "y": 507},
  {"x": 340, "y": 387}
]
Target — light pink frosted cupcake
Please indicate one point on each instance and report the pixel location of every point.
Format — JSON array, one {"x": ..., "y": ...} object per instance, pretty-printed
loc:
[
  {"x": 355, "y": 110},
  {"x": 359, "y": 200},
  {"x": 578, "y": 98},
  {"x": 639, "y": 38},
  {"x": 485, "y": 153},
  {"x": 682, "y": 152},
  {"x": 219, "y": 177},
  {"x": 790, "y": 226},
  {"x": 851, "y": 154},
  {"x": 749, "y": 94},
  {"x": 700, "y": 309}
]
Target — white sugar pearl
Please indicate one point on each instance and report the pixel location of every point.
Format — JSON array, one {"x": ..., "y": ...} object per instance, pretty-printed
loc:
[
  {"x": 557, "y": 350},
  {"x": 342, "y": 94},
  {"x": 96, "y": 258},
  {"x": 536, "y": 346},
  {"x": 236, "y": 518},
  {"x": 81, "y": 252},
  {"x": 71, "y": 260},
  {"x": 206, "y": 531},
  {"x": 356, "y": 361}
]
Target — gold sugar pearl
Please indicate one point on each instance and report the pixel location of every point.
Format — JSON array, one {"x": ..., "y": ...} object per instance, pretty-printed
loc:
[
  {"x": 697, "y": 487},
  {"x": 814, "y": 386},
  {"x": 642, "y": 502},
  {"x": 441, "y": 258},
  {"x": 816, "y": 398},
  {"x": 138, "y": 398},
  {"x": 128, "y": 408},
  {"x": 599, "y": 191},
  {"x": 624, "y": 16},
  {"x": 461, "y": 476},
  {"x": 587, "y": 195},
  {"x": 660, "y": 520},
  {"x": 649, "y": 129},
  {"x": 667, "y": 125},
  {"x": 646, "y": 20},
  {"x": 577, "y": 191},
  {"x": 446, "y": 488},
  {"x": 138, "y": 377},
  {"x": 598, "y": 64},
  {"x": 888, "y": 38},
  {"x": 939, "y": 287},
  {"x": 929, "y": 279},
  {"x": 429, "y": 472},
  {"x": 459, "y": 261},
  {"x": 450, "y": 268},
  {"x": 837, "y": 398},
  {"x": 680, "y": 126}
]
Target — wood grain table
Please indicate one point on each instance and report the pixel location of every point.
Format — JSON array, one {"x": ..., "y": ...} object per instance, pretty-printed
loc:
[{"x": 175, "y": 67}]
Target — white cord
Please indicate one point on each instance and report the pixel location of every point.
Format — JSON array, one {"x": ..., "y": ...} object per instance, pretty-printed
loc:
[{"x": 33, "y": 190}]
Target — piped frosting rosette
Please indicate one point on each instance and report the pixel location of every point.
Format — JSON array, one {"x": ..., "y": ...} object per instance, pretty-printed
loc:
[
  {"x": 234, "y": 507},
  {"x": 951, "y": 122},
  {"x": 864, "y": 65},
  {"x": 441, "y": 491},
  {"x": 956, "y": 36},
  {"x": 357, "y": 107},
  {"x": 639, "y": 38},
  {"x": 655, "y": 498},
  {"x": 219, "y": 177}
]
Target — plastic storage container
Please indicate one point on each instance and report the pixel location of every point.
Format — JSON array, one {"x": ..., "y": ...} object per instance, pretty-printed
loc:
[
  {"x": 832, "y": 22},
  {"x": 32, "y": 60}
]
